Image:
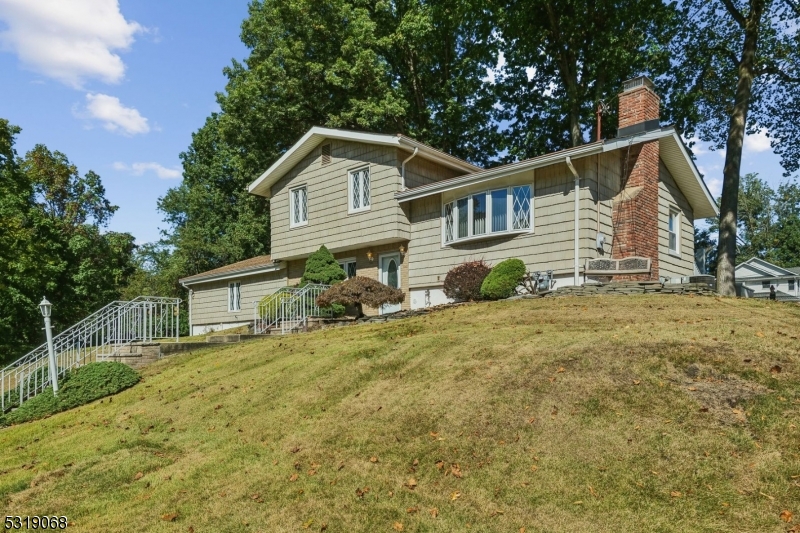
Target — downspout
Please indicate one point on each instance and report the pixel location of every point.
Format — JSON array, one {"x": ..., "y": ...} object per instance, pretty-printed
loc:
[
  {"x": 403, "y": 166},
  {"x": 190, "y": 307},
  {"x": 577, "y": 264}
]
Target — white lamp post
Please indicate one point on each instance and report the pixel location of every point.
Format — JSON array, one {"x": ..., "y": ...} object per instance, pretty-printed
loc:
[{"x": 46, "y": 307}]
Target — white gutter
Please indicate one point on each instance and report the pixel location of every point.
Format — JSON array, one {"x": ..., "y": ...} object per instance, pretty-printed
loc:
[
  {"x": 403, "y": 166},
  {"x": 577, "y": 264}
]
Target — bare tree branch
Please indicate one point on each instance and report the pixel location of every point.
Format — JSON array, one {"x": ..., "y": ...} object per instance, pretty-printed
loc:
[{"x": 735, "y": 13}]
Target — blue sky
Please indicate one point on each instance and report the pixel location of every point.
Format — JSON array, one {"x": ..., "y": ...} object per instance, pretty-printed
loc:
[{"x": 119, "y": 87}]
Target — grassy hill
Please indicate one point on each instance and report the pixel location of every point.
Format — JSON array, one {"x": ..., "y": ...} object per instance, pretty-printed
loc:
[{"x": 578, "y": 414}]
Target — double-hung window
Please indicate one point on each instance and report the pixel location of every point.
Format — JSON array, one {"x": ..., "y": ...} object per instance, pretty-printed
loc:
[
  {"x": 674, "y": 231},
  {"x": 507, "y": 210},
  {"x": 358, "y": 189},
  {"x": 234, "y": 296},
  {"x": 349, "y": 267},
  {"x": 298, "y": 207}
]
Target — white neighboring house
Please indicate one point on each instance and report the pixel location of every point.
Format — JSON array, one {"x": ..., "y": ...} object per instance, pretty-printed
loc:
[{"x": 754, "y": 277}]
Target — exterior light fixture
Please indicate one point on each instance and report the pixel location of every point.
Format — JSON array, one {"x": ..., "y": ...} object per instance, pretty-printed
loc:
[
  {"x": 370, "y": 256},
  {"x": 46, "y": 308},
  {"x": 402, "y": 250}
]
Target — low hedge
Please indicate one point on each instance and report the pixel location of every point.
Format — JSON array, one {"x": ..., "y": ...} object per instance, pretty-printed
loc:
[
  {"x": 503, "y": 280},
  {"x": 463, "y": 282},
  {"x": 81, "y": 386}
]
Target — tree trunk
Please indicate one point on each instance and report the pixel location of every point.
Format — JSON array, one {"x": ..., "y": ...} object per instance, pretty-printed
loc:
[{"x": 726, "y": 249}]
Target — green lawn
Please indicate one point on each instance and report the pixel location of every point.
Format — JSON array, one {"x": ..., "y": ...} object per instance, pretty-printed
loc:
[{"x": 643, "y": 413}]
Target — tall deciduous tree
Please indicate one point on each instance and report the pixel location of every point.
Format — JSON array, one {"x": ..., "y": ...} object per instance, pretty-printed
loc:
[
  {"x": 52, "y": 243},
  {"x": 564, "y": 57},
  {"x": 737, "y": 71}
]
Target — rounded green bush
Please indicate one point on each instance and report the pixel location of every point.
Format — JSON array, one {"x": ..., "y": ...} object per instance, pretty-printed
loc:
[
  {"x": 80, "y": 386},
  {"x": 503, "y": 279}
]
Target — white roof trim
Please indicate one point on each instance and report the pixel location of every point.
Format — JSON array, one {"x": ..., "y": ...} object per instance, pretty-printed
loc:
[
  {"x": 232, "y": 274},
  {"x": 316, "y": 135},
  {"x": 683, "y": 170},
  {"x": 497, "y": 172},
  {"x": 768, "y": 268}
]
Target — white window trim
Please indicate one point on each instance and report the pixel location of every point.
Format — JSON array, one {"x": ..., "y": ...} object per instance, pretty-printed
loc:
[
  {"x": 488, "y": 234},
  {"x": 350, "y": 209},
  {"x": 343, "y": 263},
  {"x": 677, "y": 251},
  {"x": 292, "y": 223},
  {"x": 235, "y": 285}
]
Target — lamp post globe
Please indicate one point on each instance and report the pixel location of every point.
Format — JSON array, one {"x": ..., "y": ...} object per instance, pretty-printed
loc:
[{"x": 45, "y": 307}]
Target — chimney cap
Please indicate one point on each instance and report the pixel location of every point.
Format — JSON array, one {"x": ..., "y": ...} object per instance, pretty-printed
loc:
[{"x": 635, "y": 83}]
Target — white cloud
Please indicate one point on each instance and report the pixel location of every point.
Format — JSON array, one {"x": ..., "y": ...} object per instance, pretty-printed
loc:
[
  {"x": 68, "y": 41},
  {"x": 139, "y": 169},
  {"x": 758, "y": 142},
  {"x": 114, "y": 116}
]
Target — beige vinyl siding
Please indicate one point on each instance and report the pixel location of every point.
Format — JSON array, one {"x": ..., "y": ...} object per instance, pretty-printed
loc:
[
  {"x": 364, "y": 267},
  {"x": 550, "y": 246},
  {"x": 670, "y": 196},
  {"x": 421, "y": 171},
  {"x": 329, "y": 222},
  {"x": 210, "y": 300}
]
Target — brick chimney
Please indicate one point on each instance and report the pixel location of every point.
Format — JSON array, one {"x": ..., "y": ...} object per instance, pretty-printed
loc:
[{"x": 635, "y": 208}]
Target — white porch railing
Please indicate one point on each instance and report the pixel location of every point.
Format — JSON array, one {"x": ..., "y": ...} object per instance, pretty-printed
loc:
[
  {"x": 94, "y": 338},
  {"x": 288, "y": 309}
]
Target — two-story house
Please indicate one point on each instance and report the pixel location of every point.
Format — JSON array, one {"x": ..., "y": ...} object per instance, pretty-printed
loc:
[{"x": 402, "y": 212}]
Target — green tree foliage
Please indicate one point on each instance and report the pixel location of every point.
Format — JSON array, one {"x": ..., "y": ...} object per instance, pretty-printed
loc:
[
  {"x": 51, "y": 244},
  {"x": 322, "y": 268},
  {"x": 737, "y": 70},
  {"x": 564, "y": 57},
  {"x": 503, "y": 280},
  {"x": 768, "y": 222}
]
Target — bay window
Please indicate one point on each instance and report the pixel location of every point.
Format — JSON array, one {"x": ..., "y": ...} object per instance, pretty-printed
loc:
[{"x": 508, "y": 210}]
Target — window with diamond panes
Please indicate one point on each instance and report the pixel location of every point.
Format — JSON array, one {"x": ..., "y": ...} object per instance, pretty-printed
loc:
[
  {"x": 488, "y": 212},
  {"x": 521, "y": 207},
  {"x": 298, "y": 215},
  {"x": 359, "y": 190},
  {"x": 349, "y": 268},
  {"x": 448, "y": 222}
]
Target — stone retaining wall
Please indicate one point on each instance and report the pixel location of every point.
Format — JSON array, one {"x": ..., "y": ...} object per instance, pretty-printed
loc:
[{"x": 635, "y": 287}]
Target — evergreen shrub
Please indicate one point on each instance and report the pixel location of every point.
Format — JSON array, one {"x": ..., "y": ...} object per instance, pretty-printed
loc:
[
  {"x": 503, "y": 280},
  {"x": 79, "y": 387},
  {"x": 463, "y": 282}
]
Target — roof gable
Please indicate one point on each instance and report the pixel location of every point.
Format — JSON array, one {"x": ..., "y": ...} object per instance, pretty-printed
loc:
[
  {"x": 316, "y": 135},
  {"x": 755, "y": 267}
]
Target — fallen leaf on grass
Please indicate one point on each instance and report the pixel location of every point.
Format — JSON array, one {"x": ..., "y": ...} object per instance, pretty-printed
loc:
[
  {"x": 456, "y": 470},
  {"x": 560, "y": 370},
  {"x": 360, "y": 492},
  {"x": 434, "y": 512},
  {"x": 759, "y": 334},
  {"x": 294, "y": 477},
  {"x": 454, "y": 496},
  {"x": 412, "y": 510},
  {"x": 786, "y": 515},
  {"x": 307, "y": 523},
  {"x": 138, "y": 476},
  {"x": 675, "y": 494},
  {"x": 373, "y": 459},
  {"x": 169, "y": 517},
  {"x": 411, "y": 483},
  {"x": 397, "y": 526},
  {"x": 776, "y": 369},
  {"x": 534, "y": 468}
]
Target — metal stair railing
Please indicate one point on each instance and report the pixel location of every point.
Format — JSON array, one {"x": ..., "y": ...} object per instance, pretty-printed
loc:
[
  {"x": 95, "y": 338},
  {"x": 303, "y": 304},
  {"x": 267, "y": 312}
]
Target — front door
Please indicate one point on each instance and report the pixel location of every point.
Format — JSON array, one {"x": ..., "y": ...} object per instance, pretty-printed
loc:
[{"x": 390, "y": 275}]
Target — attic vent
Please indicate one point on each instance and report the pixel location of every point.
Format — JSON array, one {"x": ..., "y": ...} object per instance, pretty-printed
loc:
[{"x": 326, "y": 154}]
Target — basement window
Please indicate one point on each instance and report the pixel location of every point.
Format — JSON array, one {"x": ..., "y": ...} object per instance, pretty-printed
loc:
[{"x": 488, "y": 213}]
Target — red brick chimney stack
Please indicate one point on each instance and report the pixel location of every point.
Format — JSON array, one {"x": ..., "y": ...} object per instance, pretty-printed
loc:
[{"x": 635, "y": 210}]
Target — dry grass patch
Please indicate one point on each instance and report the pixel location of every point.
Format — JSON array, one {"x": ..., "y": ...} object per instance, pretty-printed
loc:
[{"x": 549, "y": 415}]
